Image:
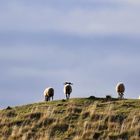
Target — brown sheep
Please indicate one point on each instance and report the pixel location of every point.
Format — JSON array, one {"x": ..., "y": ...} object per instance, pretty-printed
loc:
[{"x": 120, "y": 88}]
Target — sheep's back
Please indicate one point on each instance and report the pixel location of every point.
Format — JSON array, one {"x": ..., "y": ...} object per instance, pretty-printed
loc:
[
  {"x": 49, "y": 92},
  {"x": 67, "y": 89},
  {"x": 120, "y": 88}
]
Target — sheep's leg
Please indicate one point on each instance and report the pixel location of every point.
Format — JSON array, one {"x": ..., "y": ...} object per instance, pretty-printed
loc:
[
  {"x": 52, "y": 98},
  {"x": 121, "y": 95},
  {"x": 66, "y": 96},
  {"x": 46, "y": 98}
]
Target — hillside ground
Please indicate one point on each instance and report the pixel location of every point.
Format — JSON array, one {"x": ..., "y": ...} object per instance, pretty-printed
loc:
[{"x": 75, "y": 119}]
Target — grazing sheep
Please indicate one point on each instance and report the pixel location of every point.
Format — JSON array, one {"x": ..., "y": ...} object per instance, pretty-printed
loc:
[
  {"x": 139, "y": 97},
  {"x": 48, "y": 93},
  {"x": 67, "y": 89},
  {"x": 120, "y": 88}
]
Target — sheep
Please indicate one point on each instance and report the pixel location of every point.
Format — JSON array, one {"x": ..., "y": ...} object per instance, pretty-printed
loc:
[
  {"x": 67, "y": 89},
  {"x": 139, "y": 97},
  {"x": 48, "y": 93},
  {"x": 120, "y": 88}
]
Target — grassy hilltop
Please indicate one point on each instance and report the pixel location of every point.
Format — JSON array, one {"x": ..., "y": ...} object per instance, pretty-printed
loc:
[{"x": 75, "y": 119}]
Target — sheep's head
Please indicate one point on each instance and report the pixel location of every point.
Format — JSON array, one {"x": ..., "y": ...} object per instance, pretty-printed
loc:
[{"x": 68, "y": 83}]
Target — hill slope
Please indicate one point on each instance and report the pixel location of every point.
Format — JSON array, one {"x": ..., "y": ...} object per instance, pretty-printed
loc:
[{"x": 76, "y": 119}]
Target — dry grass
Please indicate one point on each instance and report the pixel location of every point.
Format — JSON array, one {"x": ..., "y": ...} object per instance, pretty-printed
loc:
[{"x": 76, "y": 119}]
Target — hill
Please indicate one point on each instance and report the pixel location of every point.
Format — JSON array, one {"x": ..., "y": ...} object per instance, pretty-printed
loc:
[{"x": 75, "y": 119}]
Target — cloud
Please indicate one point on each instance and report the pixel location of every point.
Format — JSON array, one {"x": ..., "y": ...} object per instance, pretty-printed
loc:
[
  {"x": 79, "y": 20},
  {"x": 134, "y": 2}
]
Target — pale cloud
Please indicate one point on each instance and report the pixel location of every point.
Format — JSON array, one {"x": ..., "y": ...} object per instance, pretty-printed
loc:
[
  {"x": 80, "y": 20},
  {"x": 134, "y": 2}
]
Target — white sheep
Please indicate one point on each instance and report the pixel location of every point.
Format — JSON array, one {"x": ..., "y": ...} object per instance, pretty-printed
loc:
[
  {"x": 139, "y": 97},
  {"x": 120, "y": 88},
  {"x": 48, "y": 93},
  {"x": 67, "y": 89}
]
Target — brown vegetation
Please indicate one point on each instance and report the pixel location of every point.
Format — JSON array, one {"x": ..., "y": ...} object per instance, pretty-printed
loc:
[{"x": 75, "y": 119}]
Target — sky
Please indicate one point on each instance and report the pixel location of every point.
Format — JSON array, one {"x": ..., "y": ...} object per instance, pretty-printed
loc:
[{"x": 93, "y": 43}]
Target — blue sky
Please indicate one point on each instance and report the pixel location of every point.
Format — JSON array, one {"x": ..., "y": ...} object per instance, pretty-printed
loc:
[{"x": 92, "y": 43}]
